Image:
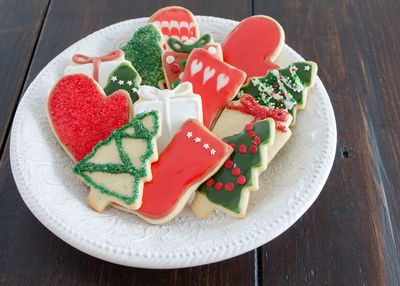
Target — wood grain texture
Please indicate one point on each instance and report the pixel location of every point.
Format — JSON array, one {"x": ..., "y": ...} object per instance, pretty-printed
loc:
[
  {"x": 29, "y": 253},
  {"x": 20, "y": 23},
  {"x": 350, "y": 236}
]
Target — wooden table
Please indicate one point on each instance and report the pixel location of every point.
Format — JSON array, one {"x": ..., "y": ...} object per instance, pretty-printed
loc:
[{"x": 350, "y": 236}]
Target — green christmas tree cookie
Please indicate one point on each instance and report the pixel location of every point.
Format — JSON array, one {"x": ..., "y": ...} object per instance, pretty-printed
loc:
[
  {"x": 228, "y": 190},
  {"x": 117, "y": 167},
  {"x": 144, "y": 50},
  {"x": 124, "y": 77},
  {"x": 283, "y": 88}
]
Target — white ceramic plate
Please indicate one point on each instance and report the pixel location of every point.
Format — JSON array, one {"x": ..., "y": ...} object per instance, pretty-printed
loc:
[{"x": 43, "y": 175}]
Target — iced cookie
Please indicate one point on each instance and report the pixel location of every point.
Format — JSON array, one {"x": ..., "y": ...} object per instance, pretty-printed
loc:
[
  {"x": 81, "y": 115},
  {"x": 175, "y": 57},
  {"x": 215, "y": 81},
  {"x": 228, "y": 190},
  {"x": 176, "y": 22},
  {"x": 284, "y": 89},
  {"x": 117, "y": 167},
  {"x": 246, "y": 110},
  {"x": 193, "y": 156},
  {"x": 144, "y": 51},
  {"x": 111, "y": 71},
  {"x": 254, "y": 45},
  {"x": 174, "y": 106}
]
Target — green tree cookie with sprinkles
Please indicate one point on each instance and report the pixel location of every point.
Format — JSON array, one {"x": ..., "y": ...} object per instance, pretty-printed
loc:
[
  {"x": 117, "y": 167},
  {"x": 124, "y": 77},
  {"x": 144, "y": 50},
  {"x": 283, "y": 88},
  {"x": 228, "y": 190}
]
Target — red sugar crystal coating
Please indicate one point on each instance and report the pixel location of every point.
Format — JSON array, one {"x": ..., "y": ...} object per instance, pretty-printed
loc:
[
  {"x": 82, "y": 116},
  {"x": 229, "y": 187}
]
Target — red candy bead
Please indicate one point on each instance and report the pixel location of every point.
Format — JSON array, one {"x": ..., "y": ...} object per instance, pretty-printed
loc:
[
  {"x": 228, "y": 164},
  {"x": 256, "y": 140},
  {"x": 236, "y": 171},
  {"x": 218, "y": 186},
  {"x": 253, "y": 149},
  {"x": 249, "y": 127},
  {"x": 210, "y": 182},
  {"x": 233, "y": 145},
  {"x": 251, "y": 134},
  {"x": 229, "y": 187},
  {"x": 241, "y": 180},
  {"x": 242, "y": 149},
  {"x": 175, "y": 68}
]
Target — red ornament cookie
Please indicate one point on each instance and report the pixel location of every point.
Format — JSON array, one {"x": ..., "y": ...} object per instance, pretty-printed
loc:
[
  {"x": 176, "y": 22},
  {"x": 81, "y": 115},
  {"x": 193, "y": 156},
  {"x": 254, "y": 45},
  {"x": 215, "y": 81}
]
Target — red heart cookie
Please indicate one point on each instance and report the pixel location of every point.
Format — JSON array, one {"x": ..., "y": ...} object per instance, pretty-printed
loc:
[
  {"x": 254, "y": 45},
  {"x": 81, "y": 115}
]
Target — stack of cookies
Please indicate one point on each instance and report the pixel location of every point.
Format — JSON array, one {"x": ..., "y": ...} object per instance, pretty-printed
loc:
[{"x": 173, "y": 115}]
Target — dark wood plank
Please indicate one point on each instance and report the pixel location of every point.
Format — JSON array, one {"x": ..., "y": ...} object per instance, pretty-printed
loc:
[
  {"x": 29, "y": 253},
  {"x": 20, "y": 23},
  {"x": 351, "y": 234}
]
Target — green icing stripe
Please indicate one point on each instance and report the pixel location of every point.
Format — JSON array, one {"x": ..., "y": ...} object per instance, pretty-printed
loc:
[
  {"x": 282, "y": 88},
  {"x": 144, "y": 51},
  {"x": 180, "y": 47},
  {"x": 246, "y": 162},
  {"x": 124, "y": 77},
  {"x": 140, "y": 132}
]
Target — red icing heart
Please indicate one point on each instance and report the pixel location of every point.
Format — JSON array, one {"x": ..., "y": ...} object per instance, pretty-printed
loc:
[
  {"x": 253, "y": 45},
  {"x": 81, "y": 115}
]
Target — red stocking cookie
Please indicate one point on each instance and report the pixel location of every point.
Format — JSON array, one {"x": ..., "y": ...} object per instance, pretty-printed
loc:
[
  {"x": 254, "y": 45},
  {"x": 215, "y": 81},
  {"x": 193, "y": 155},
  {"x": 176, "y": 22},
  {"x": 81, "y": 115}
]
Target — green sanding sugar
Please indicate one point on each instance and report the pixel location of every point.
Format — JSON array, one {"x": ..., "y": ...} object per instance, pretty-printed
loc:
[{"x": 144, "y": 51}]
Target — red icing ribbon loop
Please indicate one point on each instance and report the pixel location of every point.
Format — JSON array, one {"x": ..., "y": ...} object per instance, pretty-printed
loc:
[
  {"x": 96, "y": 61},
  {"x": 248, "y": 105}
]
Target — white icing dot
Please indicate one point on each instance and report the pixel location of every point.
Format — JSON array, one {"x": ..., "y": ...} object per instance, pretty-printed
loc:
[
  {"x": 212, "y": 50},
  {"x": 181, "y": 76},
  {"x": 170, "y": 59}
]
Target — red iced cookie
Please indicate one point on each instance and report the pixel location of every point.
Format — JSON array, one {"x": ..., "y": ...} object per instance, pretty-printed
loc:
[
  {"x": 174, "y": 63},
  {"x": 81, "y": 115},
  {"x": 176, "y": 22},
  {"x": 193, "y": 156},
  {"x": 254, "y": 45},
  {"x": 215, "y": 81}
]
